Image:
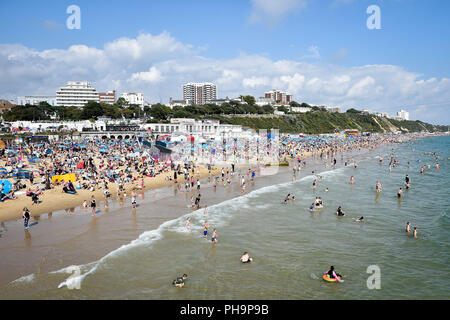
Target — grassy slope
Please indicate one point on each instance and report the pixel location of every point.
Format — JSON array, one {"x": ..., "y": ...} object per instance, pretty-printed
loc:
[{"x": 326, "y": 122}]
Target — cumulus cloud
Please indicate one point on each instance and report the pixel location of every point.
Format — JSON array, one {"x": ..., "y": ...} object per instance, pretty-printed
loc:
[
  {"x": 158, "y": 66},
  {"x": 153, "y": 75}
]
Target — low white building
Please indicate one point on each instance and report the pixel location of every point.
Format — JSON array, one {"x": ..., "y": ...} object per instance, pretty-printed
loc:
[
  {"x": 186, "y": 126},
  {"x": 136, "y": 98},
  {"x": 403, "y": 114},
  {"x": 299, "y": 109}
]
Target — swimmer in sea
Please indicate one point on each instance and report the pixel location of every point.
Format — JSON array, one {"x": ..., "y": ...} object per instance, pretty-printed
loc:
[
  {"x": 339, "y": 212},
  {"x": 245, "y": 258},
  {"x": 179, "y": 281},
  {"x": 188, "y": 223},
  {"x": 293, "y": 199},
  {"x": 360, "y": 219},
  {"x": 332, "y": 274},
  {"x": 408, "y": 227},
  {"x": 288, "y": 197},
  {"x": 326, "y": 190}
]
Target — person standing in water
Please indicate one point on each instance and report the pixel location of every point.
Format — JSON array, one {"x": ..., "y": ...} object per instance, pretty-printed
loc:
[
  {"x": 93, "y": 204},
  {"x": 26, "y": 217},
  {"x": 408, "y": 227},
  {"x": 415, "y": 232},
  {"x": 378, "y": 186},
  {"x": 205, "y": 229},
  {"x": 133, "y": 199},
  {"x": 214, "y": 237},
  {"x": 188, "y": 223},
  {"x": 399, "y": 193},
  {"x": 352, "y": 180}
]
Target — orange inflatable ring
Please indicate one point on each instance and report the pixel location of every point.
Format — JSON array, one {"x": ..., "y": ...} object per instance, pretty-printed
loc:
[{"x": 327, "y": 278}]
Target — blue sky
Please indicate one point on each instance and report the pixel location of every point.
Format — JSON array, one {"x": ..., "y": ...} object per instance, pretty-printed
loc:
[{"x": 317, "y": 39}]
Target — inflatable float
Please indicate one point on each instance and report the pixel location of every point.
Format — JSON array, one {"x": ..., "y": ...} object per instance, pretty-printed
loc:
[{"x": 327, "y": 278}]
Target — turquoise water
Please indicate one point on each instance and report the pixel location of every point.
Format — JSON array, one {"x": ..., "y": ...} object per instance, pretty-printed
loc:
[{"x": 291, "y": 246}]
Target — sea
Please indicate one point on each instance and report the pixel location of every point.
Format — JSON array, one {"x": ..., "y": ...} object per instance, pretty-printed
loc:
[{"x": 291, "y": 246}]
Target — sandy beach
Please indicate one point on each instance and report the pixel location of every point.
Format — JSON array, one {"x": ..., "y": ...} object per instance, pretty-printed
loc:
[{"x": 55, "y": 199}]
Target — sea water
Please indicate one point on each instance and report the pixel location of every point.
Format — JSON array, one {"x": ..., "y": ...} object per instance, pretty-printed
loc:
[{"x": 291, "y": 246}]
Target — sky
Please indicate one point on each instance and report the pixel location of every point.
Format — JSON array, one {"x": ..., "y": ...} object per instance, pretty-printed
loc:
[{"x": 321, "y": 51}]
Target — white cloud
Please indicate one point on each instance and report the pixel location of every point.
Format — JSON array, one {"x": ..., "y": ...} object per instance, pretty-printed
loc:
[
  {"x": 272, "y": 11},
  {"x": 254, "y": 82},
  {"x": 158, "y": 65},
  {"x": 313, "y": 53}
]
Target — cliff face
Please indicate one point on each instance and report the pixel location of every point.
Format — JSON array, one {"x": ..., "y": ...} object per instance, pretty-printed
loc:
[{"x": 325, "y": 122}]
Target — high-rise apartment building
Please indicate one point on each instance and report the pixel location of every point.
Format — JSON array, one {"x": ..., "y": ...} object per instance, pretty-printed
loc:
[
  {"x": 199, "y": 93},
  {"x": 76, "y": 93},
  {"x": 278, "y": 96}
]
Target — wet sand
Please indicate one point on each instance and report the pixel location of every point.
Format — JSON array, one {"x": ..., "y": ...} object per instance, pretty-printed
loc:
[{"x": 73, "y": 236}]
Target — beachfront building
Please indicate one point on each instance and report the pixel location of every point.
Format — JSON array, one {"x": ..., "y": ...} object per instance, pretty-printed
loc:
[
  {"x": 278, "y": 96},
  {"x": 403, "y": 115},
  {"x": 136, "y": 98},
  {"x": 76, "y": 93},
  {"x": 35, "y": 100},
  {"x": 186, "y": 126},
  {"x": 107, "y": 97},
  {"x": 199, "y": 93}
]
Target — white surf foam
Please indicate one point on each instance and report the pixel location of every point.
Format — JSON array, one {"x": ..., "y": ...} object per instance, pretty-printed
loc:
[{"x": 218, "y": 214}]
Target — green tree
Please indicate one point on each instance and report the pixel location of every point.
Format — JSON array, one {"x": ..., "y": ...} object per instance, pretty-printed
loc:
[
  {"x": 249, "y": 99},
  {"x": 91, "y": 110},
  {"x": 160, "y": 111}
]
